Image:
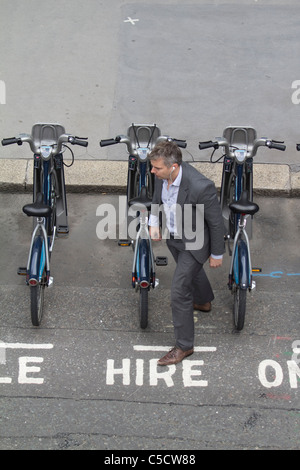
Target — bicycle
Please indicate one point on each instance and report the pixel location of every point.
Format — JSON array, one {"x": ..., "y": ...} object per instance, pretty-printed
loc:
[
  {"x": 140, "y": 140},
  {"x": 49, "y": 207},
  {"x": 236, "y": 200}
]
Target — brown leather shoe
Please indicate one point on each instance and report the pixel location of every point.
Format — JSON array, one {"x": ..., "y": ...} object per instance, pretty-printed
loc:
[
  {"x": 174, "y": 356},
  {"x": 204, "y": 307}
]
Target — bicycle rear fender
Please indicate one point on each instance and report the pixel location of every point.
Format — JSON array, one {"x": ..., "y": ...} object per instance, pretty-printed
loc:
[
  {"x": 143, "y": 264},
  {"x": 241, "y": 266},
  {"x": 37, "y": 260}
]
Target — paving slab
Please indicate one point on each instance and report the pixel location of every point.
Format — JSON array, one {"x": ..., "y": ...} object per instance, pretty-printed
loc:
[{"x": 111, "y": 176}]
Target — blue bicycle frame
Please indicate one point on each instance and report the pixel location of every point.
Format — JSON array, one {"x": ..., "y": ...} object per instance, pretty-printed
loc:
[
  {"x": 39, "y": 255},
  {"x": 240, "y": 270},
  {"x": 143, "y": 273}
]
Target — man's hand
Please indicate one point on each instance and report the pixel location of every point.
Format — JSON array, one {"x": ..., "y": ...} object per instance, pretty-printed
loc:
[
  {"x": 155, "y": 234},
  {"x": 215, "y": 263}
]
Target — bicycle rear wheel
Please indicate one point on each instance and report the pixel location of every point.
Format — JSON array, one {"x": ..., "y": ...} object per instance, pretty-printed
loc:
[
  {"x": 143, "y": 307},
  {"x": 239, "y": 307},
  {"x": 37, "y": 303}
]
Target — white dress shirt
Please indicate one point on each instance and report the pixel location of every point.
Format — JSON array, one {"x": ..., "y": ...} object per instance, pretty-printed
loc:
[{"x": 169, "y": 200}]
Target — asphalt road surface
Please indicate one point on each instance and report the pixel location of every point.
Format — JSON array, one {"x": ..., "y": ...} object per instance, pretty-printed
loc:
[
  {"x": 87, "y": 377},
  {"x": 193, "y": 68}
]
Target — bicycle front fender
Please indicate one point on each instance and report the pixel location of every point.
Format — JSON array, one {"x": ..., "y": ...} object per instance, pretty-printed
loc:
[{"x": 242, "y": 275}]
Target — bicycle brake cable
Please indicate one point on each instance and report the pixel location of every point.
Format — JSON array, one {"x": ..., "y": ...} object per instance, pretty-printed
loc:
[
  {"x": 72, "y": 153},
  {"x": 216, "y": 161}
]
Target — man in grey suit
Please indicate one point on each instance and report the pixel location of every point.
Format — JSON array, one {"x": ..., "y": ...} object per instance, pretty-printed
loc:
[{"x": 188, "y": 198}]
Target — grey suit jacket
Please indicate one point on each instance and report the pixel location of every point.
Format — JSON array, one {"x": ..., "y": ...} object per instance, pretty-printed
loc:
[{"x": 195, "y": 190}]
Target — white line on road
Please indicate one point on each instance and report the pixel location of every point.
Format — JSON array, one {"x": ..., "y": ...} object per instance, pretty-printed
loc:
[
  {"x": 25, "y": 346},
  {"x": 167, "y": 348}
]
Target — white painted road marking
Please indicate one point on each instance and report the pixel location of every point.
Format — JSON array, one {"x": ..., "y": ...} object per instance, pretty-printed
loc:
[
  {"x": 25, "y": 346},
  {"x": 24, "y": 368},
  {"x": 167, "y": 348},
  {"x": 130, "y": 20}
]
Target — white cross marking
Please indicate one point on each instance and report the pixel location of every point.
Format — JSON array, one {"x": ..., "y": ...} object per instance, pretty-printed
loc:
[{"x": 130, "y": 20}]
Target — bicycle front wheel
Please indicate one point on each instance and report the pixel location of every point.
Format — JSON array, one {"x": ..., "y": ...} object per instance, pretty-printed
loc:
[
  {"x": 239, "y": 307},
  {"x": 37, "y": 303},
  {"x": 143, "y": 307}
]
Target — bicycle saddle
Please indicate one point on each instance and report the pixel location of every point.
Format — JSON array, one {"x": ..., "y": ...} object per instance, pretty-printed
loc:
[
  {"x": 38, "y": 208},
  {"x": 244, "y": 206},
  {"x": 142, "y": 199}
]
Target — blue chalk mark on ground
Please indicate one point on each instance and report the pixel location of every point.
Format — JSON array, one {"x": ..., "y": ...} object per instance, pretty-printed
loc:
[{"x": 275, "y": 274}]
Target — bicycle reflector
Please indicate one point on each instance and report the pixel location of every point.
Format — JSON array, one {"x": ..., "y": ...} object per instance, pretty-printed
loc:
[
  {"x": 124, "y": 242},
  {"x": 144, "y": 284},
  {"x": 33, "y": 282},
  {"x": 256, "y": 270}
]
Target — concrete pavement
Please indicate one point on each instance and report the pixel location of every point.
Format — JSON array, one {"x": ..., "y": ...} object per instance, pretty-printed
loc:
[
  {"x": 93, "y": 384},
  {"x": 110, "y": 176}
]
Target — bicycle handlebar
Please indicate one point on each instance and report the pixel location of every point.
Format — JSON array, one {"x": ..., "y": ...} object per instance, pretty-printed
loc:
[
  {"x": 78, "y": 141},
  {"x": 229, "y": 149},
  {"x": 208, "y": 144},
  {"x": 273, "y": 144},
  {"x": 123, "y": 139},
  {"x": 106, "y": 142},
  {"x": 36, "y": 147},
  {"x": 12, "y": 140},
  {"x": 179, "y": 143}
]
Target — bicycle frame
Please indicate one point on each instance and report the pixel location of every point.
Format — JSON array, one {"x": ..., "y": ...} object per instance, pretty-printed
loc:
[
  {"x": 240, "y": 271},
  {"x": 140, "y": 140},
  {"x": 143, "y": 274},
  {"x": 237, "y": 174},
  {"x": 240, "y": 266},
  {"x": 41, "y": 244},
  {"x": 49, "y": 207},
  {"x": 236, "y": 200},
  {"x": 142, "y": 137},
  {"x": 239, "y": 165}
]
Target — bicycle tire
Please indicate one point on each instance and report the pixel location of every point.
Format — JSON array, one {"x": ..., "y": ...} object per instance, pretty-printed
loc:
[
  {"x": 37, "y": 303},
  {"x": 143, "y": 307},
  {"x": 239, "y": 307}
]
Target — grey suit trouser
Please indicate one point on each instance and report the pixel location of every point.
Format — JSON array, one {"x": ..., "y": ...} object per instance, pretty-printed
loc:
[{"x": 190, "y": 285}]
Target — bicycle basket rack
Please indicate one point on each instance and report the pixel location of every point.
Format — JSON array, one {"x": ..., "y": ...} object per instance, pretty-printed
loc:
[
  {"x": 240, "y": 137},
  {"x": 143, "y": 135},
  {"x": 47, "y": 134}
]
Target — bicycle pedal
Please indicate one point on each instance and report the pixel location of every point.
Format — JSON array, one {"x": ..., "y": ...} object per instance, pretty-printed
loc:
[
  {"x": 50, "y": 282},
  {"x": 161, "y": 261},
  {"x": 63, "y": 229},
  {"x": 124, "y": 242},
  {"x": 256, "y": 270},
  {"x": 22, "y": 271}
]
